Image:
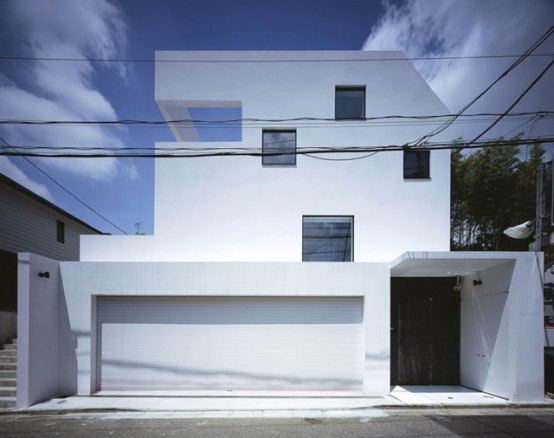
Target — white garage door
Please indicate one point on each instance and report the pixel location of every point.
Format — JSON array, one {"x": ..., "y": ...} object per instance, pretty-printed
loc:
[{"x": 229, "y": 343}]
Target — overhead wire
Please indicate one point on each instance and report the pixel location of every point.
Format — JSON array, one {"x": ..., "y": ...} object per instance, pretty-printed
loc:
[
  {"x": 25, "y": 157},
  {"x": 341, "y": 159},
  {"x": 452, "y": 117},
  {"x": 521, "y": 96},
  {"x": 521, "y": 125},
  {"x": 244, "y": 120},
  {"x": 516, "y": 63},
  {"x": 183, "y": 152},
  {"x": 149, "y": 61}
]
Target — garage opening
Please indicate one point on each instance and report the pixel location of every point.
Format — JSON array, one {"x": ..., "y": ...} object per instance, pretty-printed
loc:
[
  {"x": 425, "y": 331},
  {"x": 229, "y": 343}
]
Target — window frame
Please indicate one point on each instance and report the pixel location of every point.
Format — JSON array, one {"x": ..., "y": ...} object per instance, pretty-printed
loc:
[
  {"x": 361, "y": 88},
  {"x": 419, "y": 175},
  {"x": 264, "y": 157},
  {"x": 60, "y": 231},
  {"x": 329, "y": 216}
]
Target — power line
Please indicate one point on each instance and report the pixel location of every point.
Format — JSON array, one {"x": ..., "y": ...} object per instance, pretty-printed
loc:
[
  {"x": 148, "y": 61},
  {"x": 25, "y": 157},
  {"x": 260, "y": 120},
  {"x": 531, "y": 85},
  {"x": 521, "y": 125},
  {"x": 341, "y": 159},
  {"x": 525, "y": 55},
  {"x": 258, "y": 152},
  {"x": 320, "y": 125}
]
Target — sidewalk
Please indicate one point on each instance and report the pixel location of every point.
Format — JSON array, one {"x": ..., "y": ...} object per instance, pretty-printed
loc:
[{"x": 189, "y": 405}]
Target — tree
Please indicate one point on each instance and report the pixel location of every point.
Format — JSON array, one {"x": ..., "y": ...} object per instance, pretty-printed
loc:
[{"x": 492, "y": 189}]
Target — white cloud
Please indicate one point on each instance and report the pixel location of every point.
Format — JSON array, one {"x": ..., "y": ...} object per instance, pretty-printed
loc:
[
  {"x": 130, "y": 171},
  {"x": 12, "y": 171},
  {"x": 465, "y": 28},
  {"x": 64, "y": 90}
]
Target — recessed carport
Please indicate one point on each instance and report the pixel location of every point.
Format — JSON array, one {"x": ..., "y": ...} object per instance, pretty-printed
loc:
[{"x": 500, "y": 318}]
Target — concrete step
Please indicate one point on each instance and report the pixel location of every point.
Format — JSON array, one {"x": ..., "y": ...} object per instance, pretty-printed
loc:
[
  {"x": 7, "y": 402},
  {"x": 8, "y": 366},
  {"x": 7, "y": 391},
  {"x": 8, "y": 374},
  {"x": 8, "y": 353},
  {"x": 10, "y": 347},
  {"x": 8, "y": 359},
  {"x": 7, "y": 383}
]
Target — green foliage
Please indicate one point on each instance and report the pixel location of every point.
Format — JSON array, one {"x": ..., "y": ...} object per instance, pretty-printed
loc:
[{"x": 493, "y": 189}]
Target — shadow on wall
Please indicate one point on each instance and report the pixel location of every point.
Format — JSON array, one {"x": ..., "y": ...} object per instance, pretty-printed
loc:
[
  {"x": 8, "y": 326},
  {"x": 8, "y": 296},
  {"x": 488, "y": 311},
  {"x": 67, "y": 348},
  {"x": 205, "y": 378},
  {"x": 8, "y": 281},
  {"x": 485, "y": 335}
]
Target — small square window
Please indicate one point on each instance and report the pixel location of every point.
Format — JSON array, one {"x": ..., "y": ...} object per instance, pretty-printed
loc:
[
  {"x": 327, "y": 238},
  {"x": 60, "y": 231},
  {"x": 416, "y": 165},
  {"x": 279, "y": 148},
  {"x": 349, "y": 103}
]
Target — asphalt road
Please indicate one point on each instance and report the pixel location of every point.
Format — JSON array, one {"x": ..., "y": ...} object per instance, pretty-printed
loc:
[{"x": 386, "y": 423}]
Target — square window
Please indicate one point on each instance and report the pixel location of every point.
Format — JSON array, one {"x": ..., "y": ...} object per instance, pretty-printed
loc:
[
  {"x": 416, "y": 165},
  {"x": 60, "y": 231},
  {"x": 279, "y": 148},
  {"x": 327, "y": 238},
  {"x": 349, "y": 103}
]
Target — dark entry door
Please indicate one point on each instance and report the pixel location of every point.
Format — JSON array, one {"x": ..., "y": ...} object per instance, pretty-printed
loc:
[{"x": 425, "y": 336}]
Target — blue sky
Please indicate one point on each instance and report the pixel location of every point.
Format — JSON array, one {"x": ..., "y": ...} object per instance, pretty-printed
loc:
[{"x": 122, "y": 189}]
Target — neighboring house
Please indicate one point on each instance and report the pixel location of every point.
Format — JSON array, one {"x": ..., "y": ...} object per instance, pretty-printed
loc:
[
  {"x": 288, "y": 272},
  {"x": 30, "y": 223}
]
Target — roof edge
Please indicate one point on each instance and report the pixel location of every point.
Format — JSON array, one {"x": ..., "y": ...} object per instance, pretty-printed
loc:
[{"x": 22, "y": 189}]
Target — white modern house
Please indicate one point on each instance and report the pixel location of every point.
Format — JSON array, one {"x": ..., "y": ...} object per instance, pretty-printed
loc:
[{"x": 287, "y": 272}]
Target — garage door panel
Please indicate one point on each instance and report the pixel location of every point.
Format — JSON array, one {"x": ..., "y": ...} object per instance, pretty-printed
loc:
[
  {"x": 256, "y": 349},
  {"x": 231, "y": 310}
]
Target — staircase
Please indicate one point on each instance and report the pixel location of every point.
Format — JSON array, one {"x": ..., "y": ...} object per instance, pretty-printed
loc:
[{"x": 8, "y": 374}]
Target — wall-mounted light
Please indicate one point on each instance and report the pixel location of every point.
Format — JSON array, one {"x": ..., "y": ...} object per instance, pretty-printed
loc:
[
  {"x": 44, "y": 274},
  {"x": 477, "y": 282},
  {"x": 458, "y": 285}
]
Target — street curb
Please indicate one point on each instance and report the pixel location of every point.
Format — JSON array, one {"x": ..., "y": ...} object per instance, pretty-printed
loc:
[{"x": 59, "y": 412}]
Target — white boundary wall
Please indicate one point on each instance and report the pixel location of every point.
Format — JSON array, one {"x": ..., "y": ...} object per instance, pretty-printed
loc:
[
  {"x": 84, "y": 282},
  {"x": 501, "y": 346},
  {"x": 37, "y": 350}
]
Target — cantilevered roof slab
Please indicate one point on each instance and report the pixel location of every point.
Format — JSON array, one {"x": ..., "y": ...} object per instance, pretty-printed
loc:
[{"x": 448, "y": 264}]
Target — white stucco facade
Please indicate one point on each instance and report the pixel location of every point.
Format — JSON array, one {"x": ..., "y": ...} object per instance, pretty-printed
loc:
[
  {"x": 229, "y": 232},
  {"x": 250, "y": 212}
]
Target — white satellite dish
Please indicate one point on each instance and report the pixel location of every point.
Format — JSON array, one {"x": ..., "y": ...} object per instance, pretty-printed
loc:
[{"x": 521, "y": 231}]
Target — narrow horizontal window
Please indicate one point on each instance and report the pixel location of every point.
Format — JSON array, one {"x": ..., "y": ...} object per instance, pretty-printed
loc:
[
  {"x": 327, "y": 238},
  {"x": 349, "y": 103},
  {"x": 416, "y": 165},
  {"x": 279, "y": 148}
]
